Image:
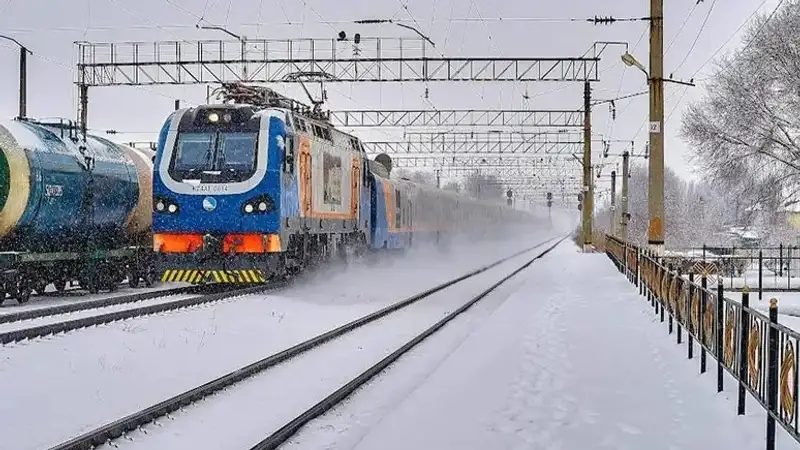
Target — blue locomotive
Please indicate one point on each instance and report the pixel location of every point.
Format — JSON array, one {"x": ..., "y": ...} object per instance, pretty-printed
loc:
[{"x": 246, "y": 191}]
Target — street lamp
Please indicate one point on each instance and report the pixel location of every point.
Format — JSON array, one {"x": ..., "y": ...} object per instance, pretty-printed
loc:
[
  {"x": 23, "y": 70},
  {"x": 630, "y": 61}
]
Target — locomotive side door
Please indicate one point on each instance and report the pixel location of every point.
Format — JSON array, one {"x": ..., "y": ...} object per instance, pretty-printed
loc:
[
  {"x": 355, "y": 186},
  {"x": 305, "y": 176}
]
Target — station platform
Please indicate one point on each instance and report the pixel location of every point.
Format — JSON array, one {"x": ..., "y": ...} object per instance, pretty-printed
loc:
[{"x": 574, "y": 359}]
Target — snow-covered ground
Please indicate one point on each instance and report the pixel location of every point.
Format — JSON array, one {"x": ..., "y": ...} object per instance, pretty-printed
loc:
[
  {"x": 82, "y": 379},
  {"x": 768, "y": 280},
  {"x": 575, "y": 359}
]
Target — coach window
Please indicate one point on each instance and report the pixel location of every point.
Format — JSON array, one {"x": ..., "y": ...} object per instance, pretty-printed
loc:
[{"x": 397, "y": 208}]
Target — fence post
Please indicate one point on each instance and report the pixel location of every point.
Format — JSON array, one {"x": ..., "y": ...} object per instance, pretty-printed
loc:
[
  {"x": 772, "y": 376},
  {"x": 744, "y": 339},
  {"x": 760, "y": 274},
  {"x": 638, "y": 265},
  {"x": 654, "y": 272},
  {"x": 625, "y": 256},
  {"x": 789, "y": 267},
  {"x": 668, "y": 299},
  {"x": 679, "y": 300},
  {"x": 689, "y": 327},
  {"x": 701, "y": 313},
  {"x": 719, "y": 329},
  {"x": 780, "y": 259},
  {"x": 660, "y": 299}
]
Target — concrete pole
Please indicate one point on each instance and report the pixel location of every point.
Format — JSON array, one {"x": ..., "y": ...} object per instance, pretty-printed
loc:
[
  {"x": 613, "y": 228},
  {"x": 655, "y": 203},
  {"x": 624, "y": 222},
  {"x": 587, "y": 167}
]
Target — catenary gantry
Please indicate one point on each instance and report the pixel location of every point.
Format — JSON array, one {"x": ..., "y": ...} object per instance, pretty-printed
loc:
[
  {"x": 263, "y": 60},
  {"x": 457, "y": 118}
]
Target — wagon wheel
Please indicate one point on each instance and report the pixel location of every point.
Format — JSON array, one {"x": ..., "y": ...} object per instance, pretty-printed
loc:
[
  {"x": 91, "y": 283},
  {"x": 109, "y": 278},
  {"x": 149, "y": 275},
  {"x": 39, "y": 286},
  {"x": 24, "y": 291},
  {"x": 133, "y": 279},
  {"x": 61, "y": 284}
]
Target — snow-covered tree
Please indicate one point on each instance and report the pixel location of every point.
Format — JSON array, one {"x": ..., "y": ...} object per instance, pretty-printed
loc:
[
  {"x": 484, "y": 186},
  {"x": 417, "y": 176},
  {"x": 694, "y": 212},
  {"x": 745, "y": 132},
  {"x": 454, "y": 186}
]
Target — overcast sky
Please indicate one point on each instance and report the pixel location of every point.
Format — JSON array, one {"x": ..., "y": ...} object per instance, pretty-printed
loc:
[{"x": 49, "y": 28}]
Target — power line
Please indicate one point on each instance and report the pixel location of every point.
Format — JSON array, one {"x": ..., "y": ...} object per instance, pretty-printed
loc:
[
  {"x": 702, "y": 27},
  {"x": 685, "y": 21}
]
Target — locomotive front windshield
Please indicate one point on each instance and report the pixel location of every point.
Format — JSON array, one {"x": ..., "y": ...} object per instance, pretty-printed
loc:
[{"x": 214, "y": 157}]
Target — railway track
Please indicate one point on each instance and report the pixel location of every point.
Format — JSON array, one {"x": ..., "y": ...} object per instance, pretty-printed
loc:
[
  {"x": 120, "y": 427},
  {"x": 217, "y": 294},
  {"x": 65, "y": 308}
]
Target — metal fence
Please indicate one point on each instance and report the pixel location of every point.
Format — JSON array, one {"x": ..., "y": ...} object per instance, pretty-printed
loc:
[
  {"x": 765, "y": 268},
  {"x": 757, "y": 351}
]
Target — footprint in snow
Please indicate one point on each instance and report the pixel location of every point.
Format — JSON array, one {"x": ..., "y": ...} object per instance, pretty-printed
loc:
[{"x": 628, "y": 428}]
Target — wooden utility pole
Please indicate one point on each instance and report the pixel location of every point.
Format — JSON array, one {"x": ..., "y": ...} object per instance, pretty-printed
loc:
[
  {"x": 624, "y": 221},
  {"x": 655, "y": 203},
  {"x": 588, "y": 203},
  {"x": 613, "y": 229}
]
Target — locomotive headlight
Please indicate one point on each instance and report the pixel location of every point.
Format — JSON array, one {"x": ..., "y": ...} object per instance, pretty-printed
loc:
[
  {"x": 213, "y": 117},
  {"x": 160, "y": 206},
  {"x": 257, "y": 205},
  {"x": 227, "y": 117},
  {"x": 172, "y": 208}
]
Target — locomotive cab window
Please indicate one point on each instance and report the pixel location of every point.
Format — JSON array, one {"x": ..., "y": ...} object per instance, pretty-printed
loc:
[
  {"x": 289, "y": 154},
  {"x": 214, "y": 157}
]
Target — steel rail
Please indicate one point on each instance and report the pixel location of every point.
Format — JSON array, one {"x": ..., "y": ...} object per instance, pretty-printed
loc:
[{"x": 92, "y": 304}]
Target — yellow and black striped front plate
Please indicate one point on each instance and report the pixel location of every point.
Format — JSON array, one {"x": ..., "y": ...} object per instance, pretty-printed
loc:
[{"x": 219, "y": 276}]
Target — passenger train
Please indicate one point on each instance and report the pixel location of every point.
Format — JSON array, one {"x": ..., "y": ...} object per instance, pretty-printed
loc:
[{"x": 244, "y": 192}]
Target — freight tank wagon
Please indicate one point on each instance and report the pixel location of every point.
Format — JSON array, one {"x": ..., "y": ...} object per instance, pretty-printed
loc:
[{"x": 71, "y": 210}]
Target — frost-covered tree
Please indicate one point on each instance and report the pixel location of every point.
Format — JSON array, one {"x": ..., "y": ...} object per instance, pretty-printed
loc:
[
  {"x": 417, "y": 176},
  {"x": 483, "y": 186},
  {"x": 454, "y": 186},
  {"x": 745, "y": 132},
  {"x": 694, "y": 212}
]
